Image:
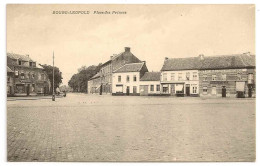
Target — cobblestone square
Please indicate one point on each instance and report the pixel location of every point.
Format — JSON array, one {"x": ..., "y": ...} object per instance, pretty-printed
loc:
[{"x": 83, "y": 127}]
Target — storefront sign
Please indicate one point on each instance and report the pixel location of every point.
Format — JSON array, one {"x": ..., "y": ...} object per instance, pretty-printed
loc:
[
  {"x": 240, "y": 86},
  {"x": 218, "y": 82}
]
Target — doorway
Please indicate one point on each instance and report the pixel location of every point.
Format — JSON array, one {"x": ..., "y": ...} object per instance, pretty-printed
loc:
[
  {"x": 127, "y": 90},
  {"x": 188, "y": 90},
  {"x": 250, "y": 92},
  {"x": 172, "y": 89},
  {"x": 224, "y": 91}
]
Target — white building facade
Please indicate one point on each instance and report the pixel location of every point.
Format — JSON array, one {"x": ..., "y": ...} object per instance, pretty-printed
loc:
[
  {"x": 126, "y": 80},
  {"x": 180, "y": 83}
]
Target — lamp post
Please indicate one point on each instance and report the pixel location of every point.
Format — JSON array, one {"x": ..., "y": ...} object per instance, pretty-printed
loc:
[{"x": 53, "y": 93}]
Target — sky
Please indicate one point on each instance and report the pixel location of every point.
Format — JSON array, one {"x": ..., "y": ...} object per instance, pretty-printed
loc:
[{"x": 152, "y": 31}]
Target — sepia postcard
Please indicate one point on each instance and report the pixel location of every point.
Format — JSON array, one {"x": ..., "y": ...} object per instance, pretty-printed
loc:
[{"x": 130, "y": 82}]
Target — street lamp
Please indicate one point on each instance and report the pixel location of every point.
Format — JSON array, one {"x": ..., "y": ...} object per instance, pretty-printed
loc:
[{"x": 53, "y": 93}]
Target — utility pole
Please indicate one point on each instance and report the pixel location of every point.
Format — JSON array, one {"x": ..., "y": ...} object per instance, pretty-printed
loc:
[{"x": 53, "y": 93}]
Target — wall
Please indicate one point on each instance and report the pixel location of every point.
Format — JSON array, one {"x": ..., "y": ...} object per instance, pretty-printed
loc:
[
  {"x": 154, "y": 83},
  {"x": 123, "y": 82},
  {"x": 225, "y": 77},
  {"x": 193, "y": 80}
]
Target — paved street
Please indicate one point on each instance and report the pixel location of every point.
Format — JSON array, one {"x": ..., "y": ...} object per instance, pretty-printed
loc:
[{"x": 84, "y": 127}]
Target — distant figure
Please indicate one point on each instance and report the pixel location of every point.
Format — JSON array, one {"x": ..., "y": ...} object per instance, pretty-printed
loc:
[
  {"x": 58, "y": 91},
  {"x": 64, "y": 93}
]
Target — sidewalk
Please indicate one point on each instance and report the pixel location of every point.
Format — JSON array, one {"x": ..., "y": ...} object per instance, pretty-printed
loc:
[{"x": 31, "y": 98}]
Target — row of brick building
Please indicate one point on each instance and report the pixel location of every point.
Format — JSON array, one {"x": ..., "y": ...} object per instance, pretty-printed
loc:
[
  {"x": 25, "y": 77},
  {"x": 223, "y": 76}
]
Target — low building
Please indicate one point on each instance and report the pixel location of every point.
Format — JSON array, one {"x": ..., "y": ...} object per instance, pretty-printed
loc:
[
  {"x": 179, "y": 77},
  {"x": 220, "y": 76},
  {"x": 150, "y": 84},
  {"x": 126, "y": 79},
  {"x": 94, "y": 84},
  {"x": 29, "y": 77},
  {"x": 228, "y": 76},
  {"x": 10, "y": 82}
]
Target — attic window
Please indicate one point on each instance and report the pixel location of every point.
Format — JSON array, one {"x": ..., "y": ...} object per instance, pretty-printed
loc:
[
  {"x": 30, "y": 64},
  {"x": 20, "y": 62}
]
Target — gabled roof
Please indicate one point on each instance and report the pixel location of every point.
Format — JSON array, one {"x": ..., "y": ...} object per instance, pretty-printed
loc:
[
  {"x": 20, "y": 57},
  {"x": 9, "y": 70},
  {"x": 131, "y": 67},
  {"x": 211, "y": 62},
  {"x": 151, "y": 76}
]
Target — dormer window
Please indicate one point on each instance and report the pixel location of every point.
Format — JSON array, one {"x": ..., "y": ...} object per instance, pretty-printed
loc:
[
  {"x": 20, "y": 63},
  {"x": 31, "y": 64}
]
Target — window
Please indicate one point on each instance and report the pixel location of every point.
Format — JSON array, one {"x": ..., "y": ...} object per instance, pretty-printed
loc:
[
  {"x": 205, "y": 90},
  {"x": 20, "y": 62},
  {"x": 151, "y": 87},
  {"x": 119, "y": 88},
  {"x": 172, "y": 76},
  {"x": 32, "y": 75},
  {"x": 164, "y": 76},
  {"x": 127, "y": 78},
  {"x": 195, "y": 76},
  {"x": 188, "y": 76},
  {"x": 134, "y": 89},
  {"x": 39, "y": 76},
  {"x": 33, "y": 87},
  {"x": 30, "y": 64},
  {"x": 22, "y": 75},
  {"x": 214, "y": 90},
  {"x": 250, "y": 78},
  {"x": 180, "y": 76},
  {"x": 165, "y": 89},
  {"x": 194, "y": 89},
  {"x": 134, "y": 78},
  {"x": 157, "y": 87},
  {"x": 239, "y": 77},
  {"x": 43, "y": 76},
  {"x": 214, "y": 77},
  {"x": 119, "y": 78},
  {"x": 224, "y": 77},
  {"x": 8, "y": 78},
  {"x": 204, "y": 77},
  {"x": 27, "y": 75}
]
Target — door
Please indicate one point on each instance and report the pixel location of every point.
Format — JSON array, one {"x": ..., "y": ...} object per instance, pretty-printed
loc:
[
  {"x": 172, "y": 90},
  {"x": 223, "y": 91},
  {"x": 134, "y": 89},
  {"x": 144, "y": 90},
  {"x": 250, "y": 92},
  {"x": 127, "y": 90},
  {"x": 28, "y": 89},
  {"x": 188, "y": 90}
]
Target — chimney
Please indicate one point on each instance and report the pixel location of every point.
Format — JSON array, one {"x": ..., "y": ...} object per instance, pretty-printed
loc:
[
  {"x": 144, "y": 62},
  {"x": 127, "y": 49},
  {"x": 166, "y": 58},
  {"x": 247, "y": 53},
  {"x": 27, "y": 55},
  {"x": 201, "y": 56}
]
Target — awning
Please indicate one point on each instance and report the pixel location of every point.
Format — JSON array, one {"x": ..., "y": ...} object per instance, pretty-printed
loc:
[{"x": 179, "y": 87}]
